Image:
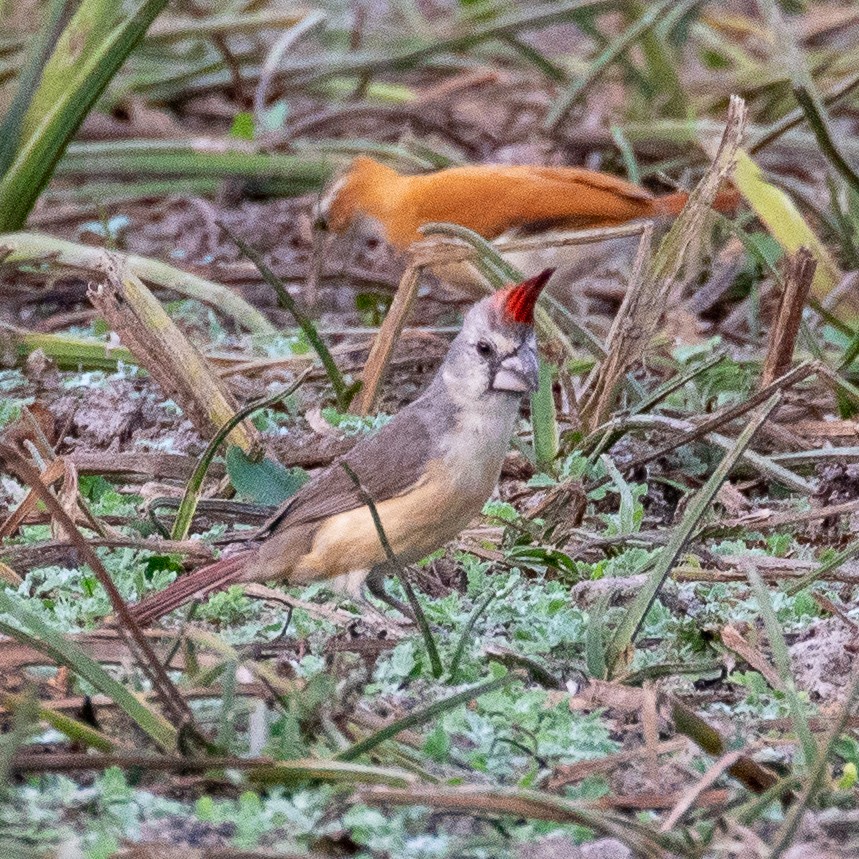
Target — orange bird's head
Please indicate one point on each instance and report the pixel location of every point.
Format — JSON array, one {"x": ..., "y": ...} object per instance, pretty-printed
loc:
[{"x": 363, "y": 197}]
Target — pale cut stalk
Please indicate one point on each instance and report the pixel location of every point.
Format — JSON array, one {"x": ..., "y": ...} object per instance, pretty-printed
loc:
[
  {"x": 181, "y": 371},
  {"x": 645, "y": 301}
]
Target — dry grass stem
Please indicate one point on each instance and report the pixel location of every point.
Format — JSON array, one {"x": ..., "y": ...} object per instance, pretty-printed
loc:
[
  {"x": 643, "y": 307},
  {"x": 181, "y": 371},
  {"x": 797, "y": 284}
]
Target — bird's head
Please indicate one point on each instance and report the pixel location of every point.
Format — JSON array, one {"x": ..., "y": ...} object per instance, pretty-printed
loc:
[
  {"x": 495, "y": 354},
  {"x": 360, "y": 198}
]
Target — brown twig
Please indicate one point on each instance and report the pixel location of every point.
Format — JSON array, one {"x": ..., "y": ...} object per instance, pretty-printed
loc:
[
  {"x": 105, "y": 646},
  {"x": 528, "y": 804},
  {"x": 732, "y": 639},
  {"x": 797, "y": 284},
  {"x": 571, "y": 773},
  {"x": 33, "y": 555},
  {"x": 99, "y": 703},
  {"x": 688, "y": 797},
  {"x": 745, "y": 769},
  {"x": 793, "y": 377},
  {"x": 383, "y": 345}
]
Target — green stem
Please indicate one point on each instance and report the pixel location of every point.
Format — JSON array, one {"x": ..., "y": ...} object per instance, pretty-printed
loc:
[
  {"x": 633, "y": 618},
  {"x": 394, "y": 561},
  {"x": 342, "y": 392},
  {"x": 606, "y": 58},
  {"x": 421, "y": 716},
  {"x": 188, "y": 506},
  {"x": 814, "y": 115}
]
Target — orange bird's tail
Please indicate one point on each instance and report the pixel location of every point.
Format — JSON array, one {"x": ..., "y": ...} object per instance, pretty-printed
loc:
[
  {"x": 727, "y": 202},
  {"x": 213, "y": 577}
]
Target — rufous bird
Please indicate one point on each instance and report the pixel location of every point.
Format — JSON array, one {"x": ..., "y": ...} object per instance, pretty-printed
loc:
[
  {"x": 429, "y": 471},
  {"x": 494, "y": 200}
]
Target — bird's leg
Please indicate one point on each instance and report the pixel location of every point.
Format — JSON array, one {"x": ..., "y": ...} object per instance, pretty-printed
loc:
[{"x": 375, "y": 585}]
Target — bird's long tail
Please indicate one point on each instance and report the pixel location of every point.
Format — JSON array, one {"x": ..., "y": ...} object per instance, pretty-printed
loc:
[
  {"x": 200, "y": 583},
  {"x": 727, "y": 201}
]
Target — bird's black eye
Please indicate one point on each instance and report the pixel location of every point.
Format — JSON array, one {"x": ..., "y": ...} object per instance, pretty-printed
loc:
[{"x": 484, "y": 348}]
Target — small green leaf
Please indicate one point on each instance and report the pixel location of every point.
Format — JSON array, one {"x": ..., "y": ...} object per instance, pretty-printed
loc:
[
  {"x": 243, "y": 126},
  {"x": 266, "y": 481},
  {"x": 437, "y": 745},
  {"x": 205, "y": 809},
  {"x": 849, "y": 777}
]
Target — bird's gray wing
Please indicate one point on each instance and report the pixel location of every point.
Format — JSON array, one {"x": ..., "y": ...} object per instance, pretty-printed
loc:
[{"x": 388, "y": 463}]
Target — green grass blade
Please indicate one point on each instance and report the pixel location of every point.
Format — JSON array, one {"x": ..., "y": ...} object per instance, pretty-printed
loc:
[
  {"x": 675, "y": 383},
  {"x": 628, "y": 628},
  {"x": 477, "y": 611},
  {"x": 68, "y": 353},
  {"x": 343, "y": 392},
  {"x": 34, "y": 632},
  {"x": 28, "y": 80},
  {"x": 610, "y": 53},
  {"x": 544, "y": 421},
  {"x": 397, "y": 567},
  {"x": 786, "y": 833},
  {"x": 425, "y": 714},
  {"x": 595, "y": 650},
  {"x": 138, "y": 159},
  {"x": 188, "y": 506},
  {"x": 74, "y": 729},
  {"x": 781, "y": 656},
  {"x": 790, "y": 57},
  {"x": 88, "y": 53},
  {"x": 839, "y": 558},
  {"x": 24, "y": 720}
]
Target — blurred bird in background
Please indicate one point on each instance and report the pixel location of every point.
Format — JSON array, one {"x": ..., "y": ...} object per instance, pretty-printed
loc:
[{"x": 497, "y": 201}]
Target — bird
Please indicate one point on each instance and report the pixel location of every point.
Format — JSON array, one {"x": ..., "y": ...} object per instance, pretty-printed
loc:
[
  {"x": 490, "y": 199},
  {"x": 375, "y": 201},
  {"x": 428, "y": 471}
]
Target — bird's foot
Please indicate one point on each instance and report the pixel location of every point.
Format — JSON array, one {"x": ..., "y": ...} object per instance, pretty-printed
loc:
[{"x": 376, "y": 587}]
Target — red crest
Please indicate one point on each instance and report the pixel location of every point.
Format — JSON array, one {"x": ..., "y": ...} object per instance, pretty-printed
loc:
[{"x": 517, "y": 302}]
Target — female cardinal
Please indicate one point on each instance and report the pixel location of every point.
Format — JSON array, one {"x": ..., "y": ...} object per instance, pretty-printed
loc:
[{"x": 429, "y": 471}]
